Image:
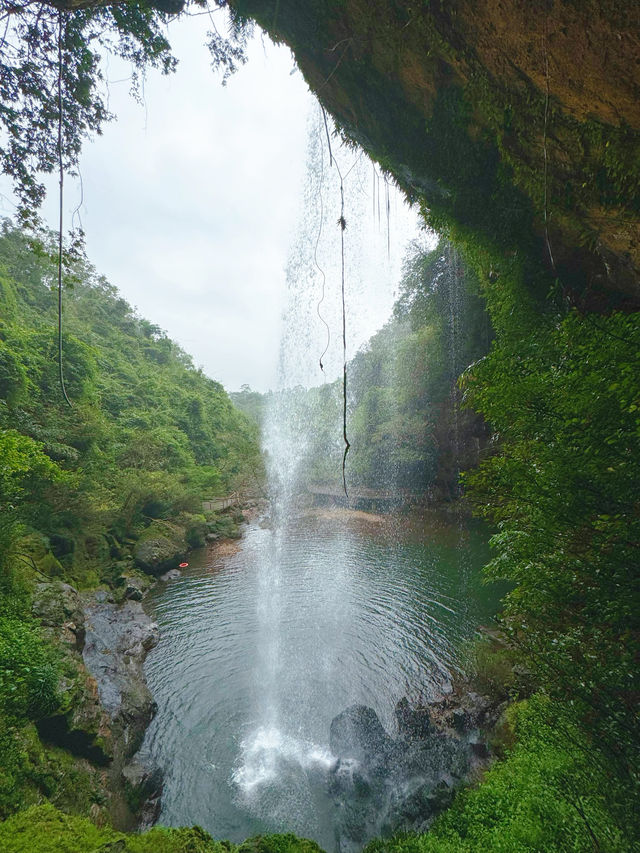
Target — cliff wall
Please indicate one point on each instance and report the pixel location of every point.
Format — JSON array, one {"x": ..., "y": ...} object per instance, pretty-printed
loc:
[{"x": 516, "y": 124}]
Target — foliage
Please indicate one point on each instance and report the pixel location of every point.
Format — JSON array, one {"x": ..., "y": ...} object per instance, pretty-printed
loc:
[
  {"x": 30, "y": 65},
  {"x": 549, "y": 794},
  {"x": 43, "y": 829},
  {"x": 28, "y": 672},
  {"x": 30, "y": 770},
  {"x": 565, "y": 404},
  {"x": 149, "y": 436},
  {"x": 286, "y": 843}
]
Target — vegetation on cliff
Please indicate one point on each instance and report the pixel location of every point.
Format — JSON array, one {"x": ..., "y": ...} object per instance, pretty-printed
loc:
[
  {"x": 147, "y": 438},
  {"x": 90, "y": 490},
  {"x": 43, "y": 829},
  {"x": 516, "y": 129}
]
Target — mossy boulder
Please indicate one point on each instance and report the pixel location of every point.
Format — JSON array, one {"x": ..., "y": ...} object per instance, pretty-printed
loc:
[
  {"x": 118, "y": 640},
  {"x": 134, "y": 587},
  {"x": 154, "y": 556},
  {"x": 57, "y": 606},
  {"x": 143, "y": 789}
]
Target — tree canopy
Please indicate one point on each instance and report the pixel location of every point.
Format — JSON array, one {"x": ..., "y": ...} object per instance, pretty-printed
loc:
[{"x": 53, "y": 89}]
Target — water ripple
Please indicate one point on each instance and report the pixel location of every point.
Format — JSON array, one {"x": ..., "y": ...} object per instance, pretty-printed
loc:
[{"x": 257, "y": 655}]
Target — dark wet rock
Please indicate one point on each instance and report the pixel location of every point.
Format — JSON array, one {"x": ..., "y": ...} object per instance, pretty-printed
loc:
[
  {"x": 155, "y": 556},
  {"x": 171, "y": 575},
  {"x": 58, "y": 606},
  {"x": 103, "y": 595},
  {"x": 143, "y": 790},
  {"x": 80, "y": 724},
  {"x": 480, "y": 749},
  {"x": 466, "y": 712},
  {"x": 460, "y": 719},
  {"x": 357, "y": 733},
  {"x": 382, "y": 785},
  {"x": 412, "y": 722},
  {"x": 134, "y": 588},
  {"x": 118, "y": 639},
  {"x": 416, "y": 811},
  {"x": 76, "y": 733}
]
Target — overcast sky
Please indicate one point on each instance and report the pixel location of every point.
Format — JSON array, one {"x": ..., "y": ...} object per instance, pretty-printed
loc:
[{"x": 192, "y": 201}]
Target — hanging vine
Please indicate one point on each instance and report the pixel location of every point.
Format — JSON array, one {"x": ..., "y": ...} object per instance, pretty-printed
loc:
[
  {"x": 315, "y": 251},
  {"x": 343, "y": 225},
  {"x": 60, "y": 206}
]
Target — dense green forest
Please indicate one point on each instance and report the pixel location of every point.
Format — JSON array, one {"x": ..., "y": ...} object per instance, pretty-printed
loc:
[
  {"x": 147, "y": 436},
  {"x": 558, "y": 482},
  {"x": 83, "y": 488},
  {"x": 526, "y": 160},
  {"x": 408, "y": 429}
]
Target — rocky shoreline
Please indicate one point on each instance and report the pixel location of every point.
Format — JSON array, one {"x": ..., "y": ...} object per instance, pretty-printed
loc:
[
  {"x": 104, "y": 636},
  {"x": 118, "y": 639},
  {"x": 106, "y": 705},
  {"x": 383, "y": 785}
]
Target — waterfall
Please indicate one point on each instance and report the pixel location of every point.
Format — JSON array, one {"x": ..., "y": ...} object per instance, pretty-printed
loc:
[
  {"x": 455, "y": 299},
  {"x": 285, "y": 746}
]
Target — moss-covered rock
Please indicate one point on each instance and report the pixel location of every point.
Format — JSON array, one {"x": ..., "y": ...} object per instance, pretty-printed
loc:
[
  {"x": 57, "y": 605},
  {"x": 31, "y": 770},
  {"x": 44, "y": 829},
  {"x": 156, "y": 555}
]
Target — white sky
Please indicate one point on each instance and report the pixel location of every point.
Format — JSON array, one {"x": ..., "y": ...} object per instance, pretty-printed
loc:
[{"x": 192, "y": 201}]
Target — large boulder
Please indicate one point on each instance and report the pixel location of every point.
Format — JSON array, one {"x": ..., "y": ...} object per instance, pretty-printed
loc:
[
  {"x": 414, "y": 812},
  {"x": 358, "y": 734},
  {"x": 135, "y": 588},
  {"x": 155, "y": 556},
  {"x": 118, "y": 640},
  {"x": 58, "y": 606},
  {"x": 385, "y": 785},
  {"x": 413, "y": 723}
]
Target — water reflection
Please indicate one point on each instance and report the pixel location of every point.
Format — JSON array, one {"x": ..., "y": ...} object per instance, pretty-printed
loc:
[{"x": 255, "y": 660}]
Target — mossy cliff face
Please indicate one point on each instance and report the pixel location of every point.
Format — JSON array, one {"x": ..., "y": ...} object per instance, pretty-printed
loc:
[{"x": 515, "y": 123}]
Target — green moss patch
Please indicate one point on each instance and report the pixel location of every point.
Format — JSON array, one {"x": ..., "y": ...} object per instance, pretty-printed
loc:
[{"x": 44, "y": 829}]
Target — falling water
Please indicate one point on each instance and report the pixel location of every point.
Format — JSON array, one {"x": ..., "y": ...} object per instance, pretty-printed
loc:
[
  {"x": 327, "y": 254},
  {"x": 316, "y": 612},
  {"x": 455, "y": 297}
]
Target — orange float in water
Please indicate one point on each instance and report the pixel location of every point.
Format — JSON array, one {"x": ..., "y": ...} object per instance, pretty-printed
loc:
[{"x": 183, "y": 565}]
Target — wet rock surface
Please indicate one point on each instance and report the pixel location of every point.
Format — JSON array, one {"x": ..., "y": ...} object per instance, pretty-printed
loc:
[
  {"x": 118, "y": 639},
  {"x": 135, "y": 587},
  {"x": 105, "y": 705},
  {"x": 143, "y": 788},
  {"x": 383, "y": 785},
  {"x": 171, "y": 575}
]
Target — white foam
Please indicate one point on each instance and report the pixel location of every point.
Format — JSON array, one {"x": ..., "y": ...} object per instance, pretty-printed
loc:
[{"x": 267, "y": 753}]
